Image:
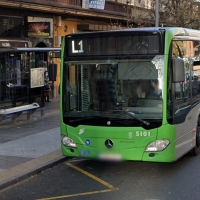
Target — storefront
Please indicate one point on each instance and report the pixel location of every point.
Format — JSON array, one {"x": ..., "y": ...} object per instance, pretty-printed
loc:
[{"x": 39, "y": 31}]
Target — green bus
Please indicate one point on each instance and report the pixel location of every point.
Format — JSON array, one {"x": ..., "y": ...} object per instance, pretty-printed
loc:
[{"x": 131, "y": 94}]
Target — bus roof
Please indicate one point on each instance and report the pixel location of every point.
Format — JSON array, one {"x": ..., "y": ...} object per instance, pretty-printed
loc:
[{"x": 175, "y": 31}]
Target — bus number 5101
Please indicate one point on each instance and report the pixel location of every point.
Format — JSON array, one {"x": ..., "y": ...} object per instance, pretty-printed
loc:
[{"x": 143, "y": 133}]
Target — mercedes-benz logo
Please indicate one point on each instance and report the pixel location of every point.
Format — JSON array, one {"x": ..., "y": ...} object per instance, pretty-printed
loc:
[{"x": 109, "y": 144}]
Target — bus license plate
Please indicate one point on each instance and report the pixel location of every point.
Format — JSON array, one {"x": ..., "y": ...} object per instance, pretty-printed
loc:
[{"x": 114, "y": 157}]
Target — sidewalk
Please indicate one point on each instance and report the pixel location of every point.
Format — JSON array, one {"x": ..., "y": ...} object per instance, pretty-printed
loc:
[{"x": 28, "y": 147}]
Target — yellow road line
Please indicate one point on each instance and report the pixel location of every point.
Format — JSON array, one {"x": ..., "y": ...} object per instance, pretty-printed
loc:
[
  {"x": 90, "y": 175},
  {"x": 111, "y": 187},
  {"x": 79, "y": 194}
]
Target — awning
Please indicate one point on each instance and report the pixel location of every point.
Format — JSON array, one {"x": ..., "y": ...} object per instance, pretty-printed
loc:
[
  {"x": 5, "y": 43},
  {"x": 7, "y": 49},
  {"x": 38, "y": 49},
  {"x": 22, "y": 46}
]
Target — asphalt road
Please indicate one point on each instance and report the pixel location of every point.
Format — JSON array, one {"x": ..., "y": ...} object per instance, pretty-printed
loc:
[{"x": 92, "y": 180}]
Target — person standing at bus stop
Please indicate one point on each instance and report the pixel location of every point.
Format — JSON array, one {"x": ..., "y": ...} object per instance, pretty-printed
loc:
[{"x": 47, "y": 87}]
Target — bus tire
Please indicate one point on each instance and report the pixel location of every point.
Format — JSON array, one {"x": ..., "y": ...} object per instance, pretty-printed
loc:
[{"x": 196, "y": 149}]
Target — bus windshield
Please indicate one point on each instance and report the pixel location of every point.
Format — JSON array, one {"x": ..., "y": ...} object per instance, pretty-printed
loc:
[{"x": 98, "y": 88}]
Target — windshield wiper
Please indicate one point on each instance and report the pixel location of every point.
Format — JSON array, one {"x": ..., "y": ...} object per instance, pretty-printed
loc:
[{"x": 133, "y": 115}]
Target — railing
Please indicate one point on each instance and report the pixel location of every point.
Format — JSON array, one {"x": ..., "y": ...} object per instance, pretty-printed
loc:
[
  {"x": 77, "y": 3},
  {"x": 110, "y": 7}
]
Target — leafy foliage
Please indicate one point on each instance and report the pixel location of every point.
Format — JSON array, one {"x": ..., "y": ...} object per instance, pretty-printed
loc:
[{"x": 180, "y": 13}]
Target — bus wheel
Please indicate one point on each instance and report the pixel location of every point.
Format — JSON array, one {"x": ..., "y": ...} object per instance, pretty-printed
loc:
[{"x": 196, "y": 149}]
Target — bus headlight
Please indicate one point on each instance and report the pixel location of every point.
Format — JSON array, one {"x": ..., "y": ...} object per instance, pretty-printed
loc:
[
  {"x": 158, "y": 145},
  {"x": 66, "y": 141}
]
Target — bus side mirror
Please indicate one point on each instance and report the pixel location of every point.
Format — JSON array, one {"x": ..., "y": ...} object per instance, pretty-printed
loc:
[{"x": 178, "y": 70}]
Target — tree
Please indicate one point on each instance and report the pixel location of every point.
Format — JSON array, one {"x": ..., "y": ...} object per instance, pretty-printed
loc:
[{"x": 181, "y": 13}]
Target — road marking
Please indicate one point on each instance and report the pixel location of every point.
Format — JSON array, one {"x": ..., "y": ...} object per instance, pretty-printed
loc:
[
  {"x": 79, "y": 194},
  {"x": 111, "y": 187},
  {"x": 90, "y": 175}
]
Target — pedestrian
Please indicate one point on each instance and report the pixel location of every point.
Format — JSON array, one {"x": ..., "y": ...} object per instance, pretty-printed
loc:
[{"x": 47, "y": 87}]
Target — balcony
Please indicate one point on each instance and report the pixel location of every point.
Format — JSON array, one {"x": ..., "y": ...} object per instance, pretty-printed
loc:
[{"x": 112, "y": 10}]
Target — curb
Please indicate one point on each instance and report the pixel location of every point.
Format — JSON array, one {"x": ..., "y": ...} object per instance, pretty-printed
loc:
[{"x": 21, "y": 172}]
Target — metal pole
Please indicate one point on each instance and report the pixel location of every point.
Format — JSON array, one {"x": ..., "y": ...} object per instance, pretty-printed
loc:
[
  {"x": 157, "y": 13},
  {"x": 127, "y": 2}
]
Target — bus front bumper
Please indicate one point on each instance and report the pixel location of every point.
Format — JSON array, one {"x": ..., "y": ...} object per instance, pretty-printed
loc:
[{"x": 135, "y": 154}]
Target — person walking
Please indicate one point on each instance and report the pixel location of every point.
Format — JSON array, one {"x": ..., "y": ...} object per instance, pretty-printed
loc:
[{"x": 47, "y": 87}]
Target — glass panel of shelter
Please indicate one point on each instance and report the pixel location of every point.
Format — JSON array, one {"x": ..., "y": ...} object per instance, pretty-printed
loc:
[{"x": 15, "y": 78}]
